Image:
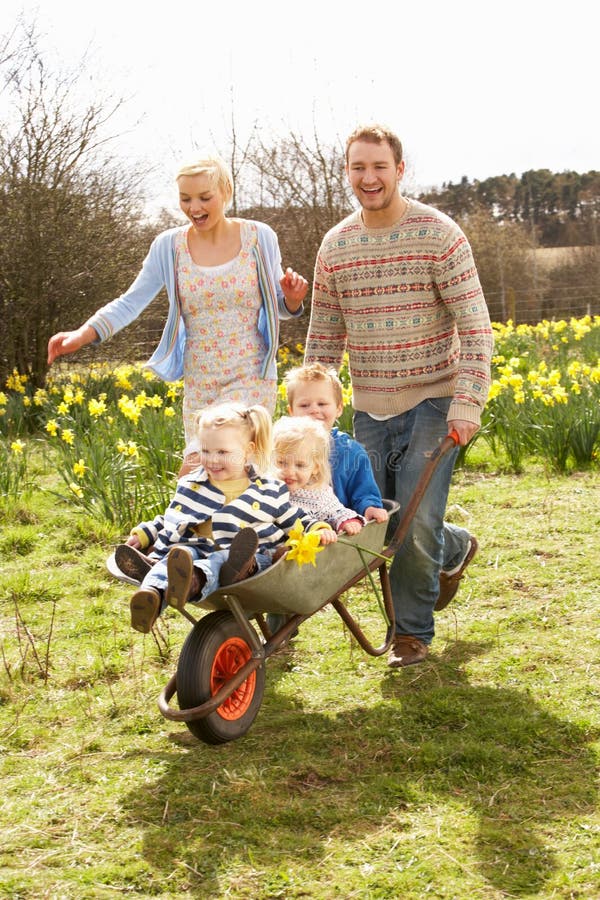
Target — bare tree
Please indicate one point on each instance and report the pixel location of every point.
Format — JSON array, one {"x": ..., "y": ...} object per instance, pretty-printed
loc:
[
  {"x": 69, "y": 232},
  {"x": 300, "y": 189},
  {"x": 305, "y": 180}
]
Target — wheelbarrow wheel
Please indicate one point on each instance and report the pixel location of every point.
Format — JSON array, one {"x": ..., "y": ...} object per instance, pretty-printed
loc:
[{"x": 213, "y": 652}]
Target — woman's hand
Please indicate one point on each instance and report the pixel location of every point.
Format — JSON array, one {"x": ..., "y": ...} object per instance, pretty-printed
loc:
[
  {"x": 190, "y": 463},
  {"x": 69, "y": 341},
  {"x": 294, "y": 288}
]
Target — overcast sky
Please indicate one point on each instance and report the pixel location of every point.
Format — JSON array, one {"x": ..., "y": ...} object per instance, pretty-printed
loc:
[{"x": 472, "y": 88}]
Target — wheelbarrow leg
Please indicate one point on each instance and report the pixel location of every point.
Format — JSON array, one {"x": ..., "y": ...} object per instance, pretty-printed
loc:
[
  {"x": 242, "y": 619},
  {"x": 353, "y": 625}
]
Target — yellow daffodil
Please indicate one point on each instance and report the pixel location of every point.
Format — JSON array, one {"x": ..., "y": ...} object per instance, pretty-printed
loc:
[
  {"x": 97, "y": 408},
  {"x": 121, "y": 376},
  {"x": 16, "y": 382},
  {"x": 129, "y": 408},
  {"x": 304, "y": 546},
  {"x": 17, "y": 447},
  {"x": 79, "y": 468},
  {"x": 174, "y": 389},
  {"x": 127, "y": 448}
]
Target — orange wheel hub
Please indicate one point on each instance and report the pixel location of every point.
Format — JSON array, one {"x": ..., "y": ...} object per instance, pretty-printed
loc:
[{"x": 229, "y": 659}]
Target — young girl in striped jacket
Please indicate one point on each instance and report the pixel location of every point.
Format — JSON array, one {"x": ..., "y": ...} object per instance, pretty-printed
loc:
[{"x": 224, "y": 523}]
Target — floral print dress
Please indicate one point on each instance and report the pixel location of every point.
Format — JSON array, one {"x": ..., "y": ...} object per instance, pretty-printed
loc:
[{"x": 224, "y": 350}]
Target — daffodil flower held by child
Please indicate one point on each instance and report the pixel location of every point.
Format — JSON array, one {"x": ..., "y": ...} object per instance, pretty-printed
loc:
[{"x": 224, "y": 522}]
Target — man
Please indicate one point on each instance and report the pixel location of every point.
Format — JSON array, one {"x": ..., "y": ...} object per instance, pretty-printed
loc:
[{"x": 396, "y": 285}]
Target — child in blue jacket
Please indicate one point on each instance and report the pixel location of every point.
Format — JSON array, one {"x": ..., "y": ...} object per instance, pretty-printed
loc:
[{"x": 316, "y": 391}]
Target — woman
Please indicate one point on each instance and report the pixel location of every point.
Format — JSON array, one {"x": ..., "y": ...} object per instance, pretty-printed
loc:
[{"x": 227, "y": 292}]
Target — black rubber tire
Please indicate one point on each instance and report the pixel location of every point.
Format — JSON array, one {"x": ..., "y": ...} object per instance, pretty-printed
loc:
[{"x": 214, "y": 649}]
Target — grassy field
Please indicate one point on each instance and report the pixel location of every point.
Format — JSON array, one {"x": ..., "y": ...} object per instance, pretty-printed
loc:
[{"x": 473, "y": 775}]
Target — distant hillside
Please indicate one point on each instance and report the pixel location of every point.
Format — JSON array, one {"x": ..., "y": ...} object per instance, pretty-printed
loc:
[{"x": 549, "y": 258}]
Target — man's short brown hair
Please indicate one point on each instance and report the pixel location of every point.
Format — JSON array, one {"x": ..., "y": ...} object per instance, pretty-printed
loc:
[{"x": 376, "y": 134}]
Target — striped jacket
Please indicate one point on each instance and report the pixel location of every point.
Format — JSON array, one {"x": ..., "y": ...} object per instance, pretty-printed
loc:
[{"x": 265, "y": 505}]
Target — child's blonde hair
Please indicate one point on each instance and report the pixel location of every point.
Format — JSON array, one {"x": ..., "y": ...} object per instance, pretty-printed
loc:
[
  {"x": 307, "y": 436},
  {"x": 312, "y": 372},
  {"x": 254, "y": 422}
]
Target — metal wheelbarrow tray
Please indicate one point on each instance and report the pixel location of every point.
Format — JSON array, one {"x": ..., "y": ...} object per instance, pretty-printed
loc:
[{"x": 220, "y": 675}]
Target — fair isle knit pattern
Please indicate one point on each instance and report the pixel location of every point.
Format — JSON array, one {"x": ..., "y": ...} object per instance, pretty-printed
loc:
[{"x": 407, "y": 305}]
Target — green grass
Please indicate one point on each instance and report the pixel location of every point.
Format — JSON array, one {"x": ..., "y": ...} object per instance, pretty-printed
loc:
[{"x": 473, "y": 775}]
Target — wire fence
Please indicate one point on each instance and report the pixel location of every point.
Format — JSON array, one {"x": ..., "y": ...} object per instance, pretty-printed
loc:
[{"x": 531, "y": 306}]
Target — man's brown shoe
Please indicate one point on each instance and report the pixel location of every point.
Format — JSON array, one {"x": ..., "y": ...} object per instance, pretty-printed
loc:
[
  {"x": 241, "y": 562},
  {"x": 144, "y": 607},
  {"x": 449, "y": 583},
  {"x": 406, "y": 650},
  {"x": 183, "y": 580}
]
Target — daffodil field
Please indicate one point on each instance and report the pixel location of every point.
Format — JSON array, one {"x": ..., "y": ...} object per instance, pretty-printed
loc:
[
  {"x": 544, "y": 400},
  {"x": 114, "y": 435}
]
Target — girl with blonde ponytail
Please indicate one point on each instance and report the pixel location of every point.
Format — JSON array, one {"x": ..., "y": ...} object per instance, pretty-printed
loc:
[{"x": 224, "y": 523}]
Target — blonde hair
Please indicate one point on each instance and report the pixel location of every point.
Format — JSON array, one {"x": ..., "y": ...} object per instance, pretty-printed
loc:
[
  {"x": 254, "y": 422},
  {"x": 215, "y": 169},
  {"x": 307, "y": 436},
  {"x": 310, "y": 373}
]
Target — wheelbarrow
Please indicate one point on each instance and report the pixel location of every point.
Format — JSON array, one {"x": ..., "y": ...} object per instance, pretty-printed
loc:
[{"x": 220, "y": 677}]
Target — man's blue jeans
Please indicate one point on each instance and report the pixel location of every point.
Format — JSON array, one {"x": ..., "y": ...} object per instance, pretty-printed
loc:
[{"x": 399, "y": 449}]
